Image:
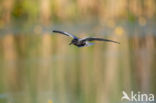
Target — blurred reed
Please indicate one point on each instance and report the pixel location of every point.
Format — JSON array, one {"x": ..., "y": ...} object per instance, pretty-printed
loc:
[
  {"x": 39, "y": 68},
  {"x": 46, "y": 11}
]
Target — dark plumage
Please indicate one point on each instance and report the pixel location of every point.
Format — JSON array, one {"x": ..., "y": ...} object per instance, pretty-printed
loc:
[{"x": 84, "y": 41}]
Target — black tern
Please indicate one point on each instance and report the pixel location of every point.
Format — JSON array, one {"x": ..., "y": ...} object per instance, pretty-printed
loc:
[{"x": 82, "y": 42}]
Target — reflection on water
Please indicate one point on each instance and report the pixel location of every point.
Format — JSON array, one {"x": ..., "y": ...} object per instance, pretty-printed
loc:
[{"x": 43, "y": 68}]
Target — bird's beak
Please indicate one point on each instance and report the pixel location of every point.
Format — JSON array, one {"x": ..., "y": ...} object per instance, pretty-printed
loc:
[{"x": 70, "y": 43}]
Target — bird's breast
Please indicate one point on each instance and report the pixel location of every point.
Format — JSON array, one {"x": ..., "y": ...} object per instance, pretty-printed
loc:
[{"x": 79, "y": 43}]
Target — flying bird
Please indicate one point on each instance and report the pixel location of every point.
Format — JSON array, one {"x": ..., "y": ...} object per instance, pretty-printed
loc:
[{"x": 82, "y": 42}]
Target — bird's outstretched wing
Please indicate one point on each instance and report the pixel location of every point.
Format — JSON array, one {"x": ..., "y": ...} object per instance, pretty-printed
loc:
[
  {"x": 98, "y": 39},
  {"x": 65, "y": 33}
]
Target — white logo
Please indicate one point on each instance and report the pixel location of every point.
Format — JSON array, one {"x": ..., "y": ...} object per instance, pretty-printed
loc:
[
  {"x": 125, "y": 96},
  {"x": 138, "y": 97}
]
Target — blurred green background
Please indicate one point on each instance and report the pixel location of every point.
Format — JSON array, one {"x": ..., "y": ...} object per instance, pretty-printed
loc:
[{"x": 38, "y": 67}]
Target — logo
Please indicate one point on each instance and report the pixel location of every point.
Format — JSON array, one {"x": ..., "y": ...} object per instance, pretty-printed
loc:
[{"x": 137, "y": 97}]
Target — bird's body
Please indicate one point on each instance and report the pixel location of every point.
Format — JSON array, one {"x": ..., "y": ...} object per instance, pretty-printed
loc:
[
  {"x": 84, "y": 41},
  {"x": 80, "y": 43}
]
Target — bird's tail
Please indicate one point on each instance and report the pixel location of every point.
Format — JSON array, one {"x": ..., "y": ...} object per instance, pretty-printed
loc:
[{"x": 89, "y": 44}]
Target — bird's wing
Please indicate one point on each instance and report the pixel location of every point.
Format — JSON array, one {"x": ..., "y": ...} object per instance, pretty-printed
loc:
[
  {"x": 98, "y": 39},
  {"x": 65, "y": 33}
]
